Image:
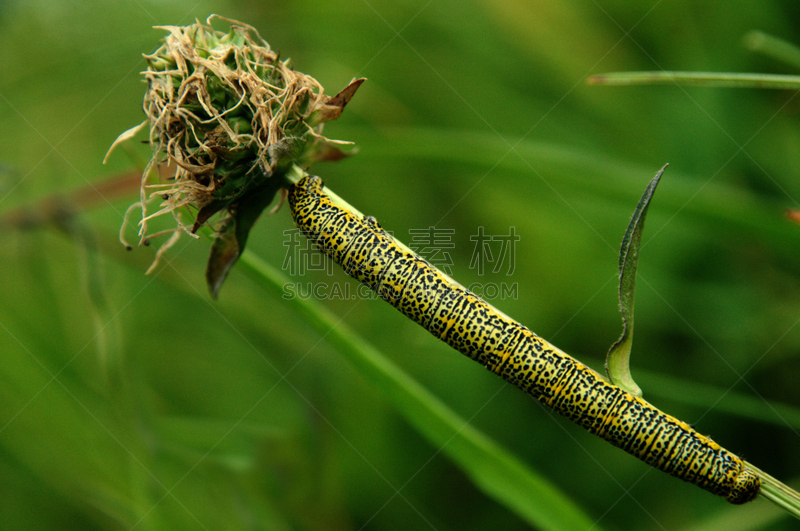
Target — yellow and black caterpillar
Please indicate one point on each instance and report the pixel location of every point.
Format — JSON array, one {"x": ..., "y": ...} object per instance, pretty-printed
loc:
[{"x": 476, "y": 329}]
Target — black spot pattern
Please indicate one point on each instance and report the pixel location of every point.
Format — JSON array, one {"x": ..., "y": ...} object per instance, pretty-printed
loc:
[{"x": 473, "y": 327}]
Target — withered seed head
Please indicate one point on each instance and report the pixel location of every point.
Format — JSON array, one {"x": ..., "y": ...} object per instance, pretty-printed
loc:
[{"x": 225, "y": 114}]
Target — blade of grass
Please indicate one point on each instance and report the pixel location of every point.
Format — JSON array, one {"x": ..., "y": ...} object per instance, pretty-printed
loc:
[
  {"x": 770, "y": 46},
  {"x": 496, "y": 472},
  {"x": 706, "y": 79}
]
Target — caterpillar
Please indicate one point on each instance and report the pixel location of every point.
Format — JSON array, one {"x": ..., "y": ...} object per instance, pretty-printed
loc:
[{"x": 476, "y": 329}]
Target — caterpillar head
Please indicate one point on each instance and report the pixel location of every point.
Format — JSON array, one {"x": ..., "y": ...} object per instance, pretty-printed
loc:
[{"x": 746, "y": 486}]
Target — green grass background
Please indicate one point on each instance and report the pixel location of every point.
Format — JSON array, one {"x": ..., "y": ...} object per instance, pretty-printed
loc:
[{"x": 129, "y": 401}]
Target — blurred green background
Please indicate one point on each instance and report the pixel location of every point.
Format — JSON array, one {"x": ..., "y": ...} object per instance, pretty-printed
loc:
[{"x": 136, "y": 402}]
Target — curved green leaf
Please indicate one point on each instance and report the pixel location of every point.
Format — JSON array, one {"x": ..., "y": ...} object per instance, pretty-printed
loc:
[{"x": 618, "y": 358}]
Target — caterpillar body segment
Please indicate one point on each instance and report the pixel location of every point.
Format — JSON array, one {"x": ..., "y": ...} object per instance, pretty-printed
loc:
[{"x": 476, "y": 329}]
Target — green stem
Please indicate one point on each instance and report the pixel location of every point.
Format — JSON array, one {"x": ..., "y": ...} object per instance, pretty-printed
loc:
[
  {"x": 706, "y": 79},
  {"x": 778, "y": 493}
]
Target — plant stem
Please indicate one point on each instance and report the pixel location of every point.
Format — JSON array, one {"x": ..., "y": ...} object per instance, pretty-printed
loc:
[
  {"x": 707, "y": 79},
  {"x": 778, "y": 493}
]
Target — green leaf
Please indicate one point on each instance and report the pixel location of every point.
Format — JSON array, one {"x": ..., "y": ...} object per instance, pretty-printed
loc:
[
  {"x": 232, "y": 236},
  {"x": 618, "y": 358},
  {"x": 225, "y": 252}
]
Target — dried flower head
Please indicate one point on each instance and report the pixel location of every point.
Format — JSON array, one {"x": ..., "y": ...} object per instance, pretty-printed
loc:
[{"x": 225, "y": 116}]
